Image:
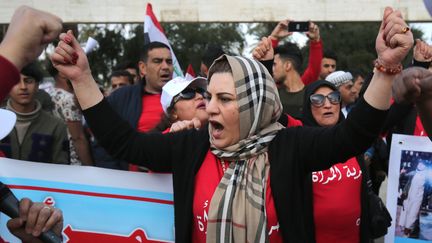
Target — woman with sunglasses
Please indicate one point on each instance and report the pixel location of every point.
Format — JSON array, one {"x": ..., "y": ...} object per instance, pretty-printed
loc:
[
  {"x": 183, "y": 100},
  {"x": 334, "y": 193},
  {"x": 241, "y": 179}
]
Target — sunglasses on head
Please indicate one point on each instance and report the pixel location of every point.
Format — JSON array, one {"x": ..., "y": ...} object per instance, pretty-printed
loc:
[
  {"x": 189, "y": 93},
  {"x": 318, "y": 100}
]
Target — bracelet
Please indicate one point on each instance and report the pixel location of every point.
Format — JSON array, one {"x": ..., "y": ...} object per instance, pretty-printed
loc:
[{"x": 388, "y": 70}]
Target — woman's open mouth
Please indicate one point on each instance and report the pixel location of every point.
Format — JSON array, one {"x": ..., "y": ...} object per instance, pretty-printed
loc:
[{"x": 217, "y": 129}]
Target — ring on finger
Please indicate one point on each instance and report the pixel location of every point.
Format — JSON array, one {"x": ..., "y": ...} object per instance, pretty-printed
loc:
[
  {"x": 46, "y": 207},
  {"x": 405, "y": 29}
]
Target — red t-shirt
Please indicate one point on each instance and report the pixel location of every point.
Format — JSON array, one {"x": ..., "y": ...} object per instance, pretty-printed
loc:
[
  {"x": 151, "y": 112},
  {"x": 206, "y": 182},
  {"x": 336, "y": 203},
  {"x": 150, "y": 116}
]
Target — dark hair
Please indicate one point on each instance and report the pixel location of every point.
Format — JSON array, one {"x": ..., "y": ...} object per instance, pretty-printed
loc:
[
  {"x": 221, "y": 66},
  {"x": 212, "y": 52},
  {"x": 330, "y": 54},
  {"x": 122, "y": 73},
  {"x": 290, "y": 52},
  {"x": 32, "y": 70},
  {"x": 125, "y": 65},
  {"x": 150, "y": 46},
  {"x": 357, "y": 73}
]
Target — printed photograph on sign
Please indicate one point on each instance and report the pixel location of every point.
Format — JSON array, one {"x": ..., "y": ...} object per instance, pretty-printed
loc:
[
  {"x": 409, "y": 190},
  {"x": 414, "y": 210}
]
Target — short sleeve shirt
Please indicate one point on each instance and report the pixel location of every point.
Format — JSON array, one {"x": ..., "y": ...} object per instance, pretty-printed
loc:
[{"x": 66, "y": 108}]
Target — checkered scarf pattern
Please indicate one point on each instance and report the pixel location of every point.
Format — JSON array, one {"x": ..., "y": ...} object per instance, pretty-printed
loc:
[{"x": 237, "y": 209}]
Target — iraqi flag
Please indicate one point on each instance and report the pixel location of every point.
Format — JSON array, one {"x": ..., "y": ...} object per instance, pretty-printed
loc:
[
  {"x": 190, "y": 73},
  {"x": 153, "y": 32}
]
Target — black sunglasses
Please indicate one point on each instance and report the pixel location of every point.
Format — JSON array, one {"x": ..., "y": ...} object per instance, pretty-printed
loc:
[
  {"x": 189, "y": 93},
  {"x": 318, "y": 100}
]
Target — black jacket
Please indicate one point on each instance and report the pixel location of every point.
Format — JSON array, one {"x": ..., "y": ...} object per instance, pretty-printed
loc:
[
  {"x": 293, "y": 153},
  {"x": 309, "y": 120}
]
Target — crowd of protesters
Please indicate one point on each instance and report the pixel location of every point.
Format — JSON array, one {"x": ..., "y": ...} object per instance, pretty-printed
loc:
[{"x": 255, "y": 136}]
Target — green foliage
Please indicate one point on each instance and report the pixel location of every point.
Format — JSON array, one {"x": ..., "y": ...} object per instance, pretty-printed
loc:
[
  {"x": 354, "y": 44},
  {"x": 259, "y": 30},
  {"x": 189, "y": 40},
  {"x": 124, "y": 42}
]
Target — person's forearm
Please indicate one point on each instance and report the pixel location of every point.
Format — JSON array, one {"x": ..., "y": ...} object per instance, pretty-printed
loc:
[
  {"x": 425, "y": 112},
  {"x": 313, "y": 69},
  {"x": 87, "y": 91},
  {"x": 83, "y": 150},
  {"x": 8, "y": 78},
  {"x": 378, "y": 94}
]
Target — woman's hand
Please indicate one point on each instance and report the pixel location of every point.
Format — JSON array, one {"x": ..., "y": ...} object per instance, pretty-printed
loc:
[
  {"x": 394, "y": 39},
  {"x": 264, "y": 50},
  {"x": 69, "y": 58},
  {"x": 185, "y": 125}
]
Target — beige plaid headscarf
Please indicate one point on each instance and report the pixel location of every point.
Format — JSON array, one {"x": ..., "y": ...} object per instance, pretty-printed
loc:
[{"x": 237, "y": 209}]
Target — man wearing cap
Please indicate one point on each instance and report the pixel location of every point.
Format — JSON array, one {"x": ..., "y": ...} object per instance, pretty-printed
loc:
[
  {"x": 37, "y": 135},
  {"x": 139, "y": 104},
  {"x": 344, "y": 82}
]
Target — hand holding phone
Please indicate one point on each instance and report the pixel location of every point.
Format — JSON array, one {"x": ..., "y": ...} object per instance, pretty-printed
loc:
[{"x": 298, "y": 26}]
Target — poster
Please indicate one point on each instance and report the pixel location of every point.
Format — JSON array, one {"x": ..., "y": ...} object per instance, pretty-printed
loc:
[
  {"x": 99, "y": 205},
  {"x": 409, "y": 191}
]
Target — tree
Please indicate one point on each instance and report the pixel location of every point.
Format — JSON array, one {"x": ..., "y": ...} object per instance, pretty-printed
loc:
[
  {"x": 121, "y": 42},
  {"x": 189, "y": 40},
  {"x": 353, "y": 43}
]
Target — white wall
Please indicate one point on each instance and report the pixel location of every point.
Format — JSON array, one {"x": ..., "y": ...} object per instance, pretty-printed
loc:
[{"x": 219, "y": 10}]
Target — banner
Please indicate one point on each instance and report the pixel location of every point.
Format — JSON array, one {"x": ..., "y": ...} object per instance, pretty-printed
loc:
[
  {"x": 409, "y": 191},
  {"x": 153, "y": 32},
  {"x": 99, "y": 205}
]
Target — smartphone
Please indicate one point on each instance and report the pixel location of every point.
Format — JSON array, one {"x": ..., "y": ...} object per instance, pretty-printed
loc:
[{"x": 301, "y": 26}]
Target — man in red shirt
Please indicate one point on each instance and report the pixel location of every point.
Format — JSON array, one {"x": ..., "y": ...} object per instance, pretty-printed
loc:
[
  {"x": 287, "y": 60},
  {"x": 139, "y": 104}
]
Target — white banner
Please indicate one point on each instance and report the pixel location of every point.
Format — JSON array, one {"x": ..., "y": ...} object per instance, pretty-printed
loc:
[
  {"x": 409, "y": 191},
  {"x": 99, "y": 205}
]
